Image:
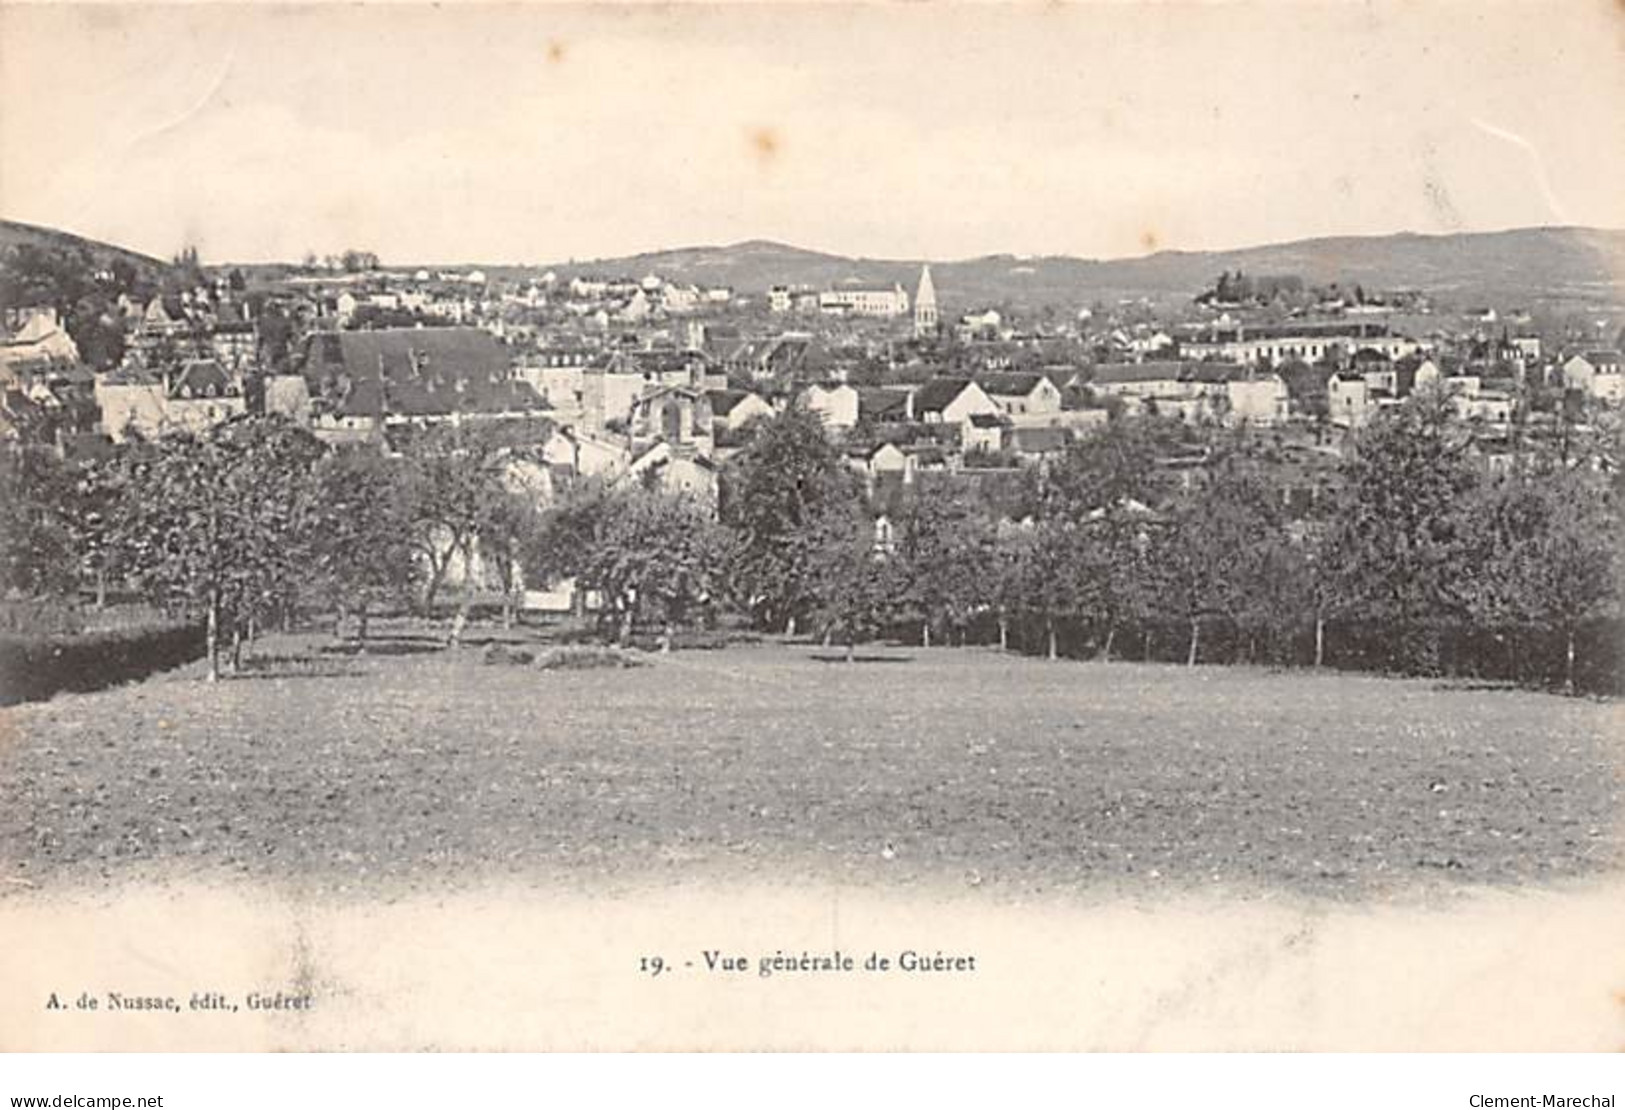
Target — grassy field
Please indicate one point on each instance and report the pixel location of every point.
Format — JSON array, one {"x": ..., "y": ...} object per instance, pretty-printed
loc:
[{"x": 419, "y": 769}]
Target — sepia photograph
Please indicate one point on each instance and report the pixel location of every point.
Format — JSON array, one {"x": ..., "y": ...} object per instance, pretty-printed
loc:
[{"x": 869, "y": 527}]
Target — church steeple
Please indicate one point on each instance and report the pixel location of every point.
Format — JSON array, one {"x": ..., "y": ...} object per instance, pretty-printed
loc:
[{"x": 925, "y": 306}]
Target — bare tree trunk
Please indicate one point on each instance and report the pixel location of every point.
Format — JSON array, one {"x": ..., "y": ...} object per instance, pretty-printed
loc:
[
  {"x": 790, "y": 627},
  {"x": 1004, "y": 633},
  {"x": 465, "y": 603},
  {"x": 361, "y": 630},
  {"x": 338, "y": 622},
  {"x": 666, "y": 633},
  {"x": 236, "y": 647},
  {"x": 1568, "y": 663},
  {"x": 1320, "y": 640},
  {"x": 1196, "y": 640},
  {"x": 510, "y": 600},
  {"x": 211, "y": 636},
  {"x": 851, "y": 648},
  {"x": 1106, "y": 649},
  {"x": 101, "y": 588},
  {"x": 437, "y": 575},
  {"x": 925, "y": 633},
  {"x": 624, "y": 635},
  {"x": 1049, "y": 631}
]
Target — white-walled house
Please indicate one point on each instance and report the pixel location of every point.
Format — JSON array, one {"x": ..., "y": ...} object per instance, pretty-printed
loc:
[
  {"x": 1598, "y": 374},
  {"x": 1023, "y": 393},
  {"x": 883, "y": 458},
  {"x": 949, "y": 401},
  {"x": 1261, "y": 399},
  {"x": 191, "y": 398},
  {"x": 836, "y": 405},
  {"x": 35, "y": 334},
  {"x": 1348, "y": 400},
  {"x": 735, "y": 408}
]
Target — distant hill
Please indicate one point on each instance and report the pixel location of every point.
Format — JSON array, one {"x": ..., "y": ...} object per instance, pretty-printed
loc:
[
  {"x": 14, "y": 233},
  {"x": 1549, "y": 266},
  {"x": 1576, "y": 266}
]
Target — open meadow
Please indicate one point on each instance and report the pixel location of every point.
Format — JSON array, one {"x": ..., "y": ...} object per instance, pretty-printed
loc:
[
  {"x": 414, "y": 767},
  {"x": 424, "y": 849}
]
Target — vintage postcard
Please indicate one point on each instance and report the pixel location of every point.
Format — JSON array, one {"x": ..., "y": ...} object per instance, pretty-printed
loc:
[{"x": 1082, "y": 526}]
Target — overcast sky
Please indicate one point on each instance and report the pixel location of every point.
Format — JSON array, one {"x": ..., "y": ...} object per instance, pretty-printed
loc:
[{"x": 539, "y": 133}]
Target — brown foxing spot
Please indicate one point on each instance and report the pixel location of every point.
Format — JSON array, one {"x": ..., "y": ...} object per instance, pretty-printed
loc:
[
  {"x": 556, "y": 51},
  {"x": 1149, "y": 240},
  {"x": 765, "y": 143}
]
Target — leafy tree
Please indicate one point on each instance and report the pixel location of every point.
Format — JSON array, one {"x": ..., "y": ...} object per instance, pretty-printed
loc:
[
  {"x": 509, "y": 525},
  {"x": 453, "y": 480},
  {"x": 1040, "y": 581},
  {"x": 361, "y": 551},
  {"x": 219, "y": 521},
  {"x": 1011, "y": 544},
  {"x": 646, "y": 553},
  {"x": 853, "y": 583},
  {"x": 1545, "y": 550},
  {"x": 772, "y": 495},
  {"x": 1112, "y": 466},
  {"x": 98, "y": 333},
  {"x": 566, "y": 532},
  {"x": 99, "y": 493},
  {"x": 1114, "y": 583},
  {"x": 944, "y": 559},
  {"x": 1401, "y": 529},
  {"x": 1207, "y": 559},
  {"x": 66, "y": 279},
  {"x": 186, "y": 270},
  {"x": 355, "y": 262},
  {"x": 38, "y": 555}
]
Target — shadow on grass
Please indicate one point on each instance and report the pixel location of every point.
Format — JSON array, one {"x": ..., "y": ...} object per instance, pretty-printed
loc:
[
  {"x": 308, "y": 672},
  {"x": 860, "y": 658},
  {"x": 293, "y": 666},
  {"x": 387, "y": 645}
]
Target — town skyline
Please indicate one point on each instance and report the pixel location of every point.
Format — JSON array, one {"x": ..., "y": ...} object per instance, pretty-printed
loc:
[{"x": 539, "y": 134}]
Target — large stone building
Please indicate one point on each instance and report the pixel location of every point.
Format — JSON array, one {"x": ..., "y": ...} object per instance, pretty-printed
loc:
[
  {"x": 360, "y": 382},
  {"x": 876, "y": 302}
]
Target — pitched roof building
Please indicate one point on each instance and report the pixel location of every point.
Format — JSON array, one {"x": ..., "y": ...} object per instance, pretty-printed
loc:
[{"x": 420, "y": 375}]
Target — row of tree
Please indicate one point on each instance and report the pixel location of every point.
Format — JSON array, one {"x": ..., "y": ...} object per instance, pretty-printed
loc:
[
  {"x": 256, "y": 520},
  {"x": 1413, "y": 544}
]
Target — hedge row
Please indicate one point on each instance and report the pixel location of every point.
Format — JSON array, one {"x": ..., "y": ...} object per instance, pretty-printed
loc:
[
  {"x": 1527, "y": 656},
  {"x": 33, "y": 668}
]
